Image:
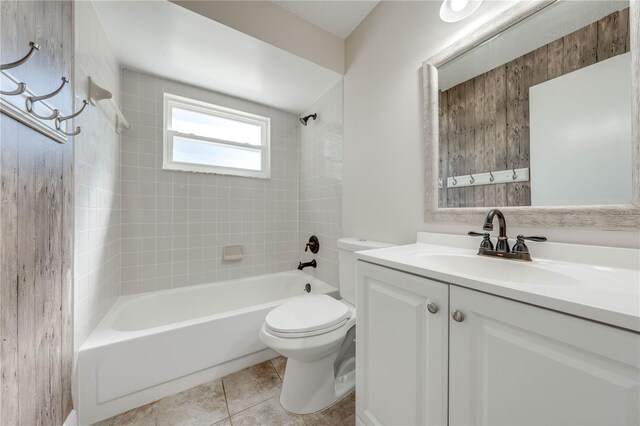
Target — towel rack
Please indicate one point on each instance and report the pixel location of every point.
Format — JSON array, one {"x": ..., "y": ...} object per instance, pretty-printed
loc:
[{"x": 97, "y": 93}]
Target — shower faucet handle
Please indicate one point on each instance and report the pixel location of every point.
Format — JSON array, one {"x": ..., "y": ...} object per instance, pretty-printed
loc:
[{"x": 313, "y": 244}]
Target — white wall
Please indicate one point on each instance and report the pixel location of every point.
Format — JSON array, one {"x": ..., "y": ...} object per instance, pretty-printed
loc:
[
  {"x": 382, "y": 150},
  {"x": 97, "y": 178},
  {"x": 277, "y": 26},
  {"x": 175, "y": 223},
  {"x": 321, "y": 183}
]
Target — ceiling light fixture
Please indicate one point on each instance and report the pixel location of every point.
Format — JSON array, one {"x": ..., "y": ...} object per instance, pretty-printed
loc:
[{"x": 457, "y": 10}]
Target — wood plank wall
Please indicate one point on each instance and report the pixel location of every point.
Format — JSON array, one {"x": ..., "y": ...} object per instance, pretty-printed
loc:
[
  {"x": 484, "y": 122},
  {"x": 36, "y": 226}
]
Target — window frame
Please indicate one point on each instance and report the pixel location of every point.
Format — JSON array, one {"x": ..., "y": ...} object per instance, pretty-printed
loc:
[{"x": 170, "y": 101}]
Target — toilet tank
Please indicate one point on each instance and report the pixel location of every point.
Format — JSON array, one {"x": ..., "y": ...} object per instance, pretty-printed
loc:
[{"x": 347, "y": 263}]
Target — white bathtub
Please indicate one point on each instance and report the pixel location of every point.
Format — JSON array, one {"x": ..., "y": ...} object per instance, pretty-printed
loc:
[{"x": 156, "y": 344}]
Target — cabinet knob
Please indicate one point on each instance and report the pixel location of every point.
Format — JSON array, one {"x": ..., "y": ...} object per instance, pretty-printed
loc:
[
  {"x": 433, "y": 308},
  {"x": 457, "y": 316}
]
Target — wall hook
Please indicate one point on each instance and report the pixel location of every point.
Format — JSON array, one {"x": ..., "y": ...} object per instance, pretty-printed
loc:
[
  {"x": 22, "y": 60},
  {"x": 33, "y": 99},
  {"x": 491, "y": 176},
  {"x": 455, "y": 181},
  {"x": 77, "y": 132},
  {"x": 472, "y": 180},
  {"x": 515, "y": 175},
  {"x": 61, "y": 118},
  {"x": 18, "y": 91}
]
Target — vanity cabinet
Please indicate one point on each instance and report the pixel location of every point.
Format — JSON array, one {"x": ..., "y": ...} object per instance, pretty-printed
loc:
[
  {"x": 513, "y": 363},
  {"x": 401, "y": 348},
  {"x": 498, "y": 360}
]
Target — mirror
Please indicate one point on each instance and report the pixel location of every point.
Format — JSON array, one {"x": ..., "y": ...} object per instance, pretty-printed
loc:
[{"x": 536, "y": 112}]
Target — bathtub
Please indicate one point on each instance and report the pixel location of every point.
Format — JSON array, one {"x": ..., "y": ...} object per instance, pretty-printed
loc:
[{"x": 152, "y": 345}]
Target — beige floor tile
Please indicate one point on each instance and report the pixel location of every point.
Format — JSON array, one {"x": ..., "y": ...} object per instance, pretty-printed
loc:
[
  {"x": 203, "y": 405},
  {"x": 251, "y": 386},
  {"x": 225, "y": 422},
  {"x": 280, "y": 364},
  {"x": 141, "y": 416},
  {"x": 342, "y": 413},
  {"x": 267, "y": 413}
]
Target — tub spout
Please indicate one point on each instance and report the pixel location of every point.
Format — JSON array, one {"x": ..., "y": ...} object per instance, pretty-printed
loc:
[{"x": 313, "y": 264}]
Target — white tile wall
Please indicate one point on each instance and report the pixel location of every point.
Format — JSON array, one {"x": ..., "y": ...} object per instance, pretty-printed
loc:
[
  {"x": 174, "y": 223},
  {"x": 321, "y": 182},
  {"x": 97, "y": 178}
]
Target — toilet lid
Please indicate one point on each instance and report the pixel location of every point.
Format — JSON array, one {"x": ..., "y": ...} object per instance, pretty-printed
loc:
[{"x": 306, "y": 314}]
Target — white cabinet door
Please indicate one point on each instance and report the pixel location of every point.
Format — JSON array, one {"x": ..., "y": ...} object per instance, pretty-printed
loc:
[
  {"x": 401, "y": 348},
  {"x": 514, "y": 364}
]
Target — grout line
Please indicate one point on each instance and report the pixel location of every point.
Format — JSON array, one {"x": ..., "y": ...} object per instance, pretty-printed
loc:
[
  {"x": 226, "y": 401},
  {"x": 276, "y": 370}
]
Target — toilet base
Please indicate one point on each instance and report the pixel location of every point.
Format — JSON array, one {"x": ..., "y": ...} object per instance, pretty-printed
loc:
[{"x": 311, "y": 386}]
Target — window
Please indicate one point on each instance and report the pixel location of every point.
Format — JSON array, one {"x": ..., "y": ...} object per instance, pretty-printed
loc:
[{"x": 202, "y": 137}]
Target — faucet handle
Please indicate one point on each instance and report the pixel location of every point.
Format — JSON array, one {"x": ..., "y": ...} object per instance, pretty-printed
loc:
[
  {"x": 477, "y": 234},
  {"x": 521, "y": 247},
  {"x": 533, "y": 238},
  {"x": 486, "y": 243}
]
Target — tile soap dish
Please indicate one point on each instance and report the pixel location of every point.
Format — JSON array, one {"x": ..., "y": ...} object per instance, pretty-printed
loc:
[{"x": 233, "y": 252}]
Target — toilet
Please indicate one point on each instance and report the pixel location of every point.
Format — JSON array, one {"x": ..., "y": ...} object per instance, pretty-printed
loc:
[{"x": 317, "y": 334}]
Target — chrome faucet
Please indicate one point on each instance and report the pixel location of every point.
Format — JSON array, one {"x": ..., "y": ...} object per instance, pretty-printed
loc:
[{"x": 520, "y": 250}]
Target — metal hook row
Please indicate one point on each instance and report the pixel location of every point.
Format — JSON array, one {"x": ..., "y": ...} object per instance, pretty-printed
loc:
[
  {"x": 31, "y": 100},
  {"x": 21, "y": 86},
  {"x": 485, "y": 178}
]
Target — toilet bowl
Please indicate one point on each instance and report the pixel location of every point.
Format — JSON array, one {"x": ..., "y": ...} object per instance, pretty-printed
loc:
[{"x": 317, "y": 335}]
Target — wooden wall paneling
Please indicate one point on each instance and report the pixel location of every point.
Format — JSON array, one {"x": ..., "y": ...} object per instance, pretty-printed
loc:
[
  {"x": 66, "y": 278},
  {"x": 480, "y": 163},
  {"x": 27, "y": 315},
  {"x": 9, "y": 270},
  {"x": 630, "y": 31},
  {"x": 48, "y": 282},
  {"x": 516, "y": 97},
  {"x": 490, "y": 142},
  {"x": 8, "y": 234},
  {"x": 455, "y": 138},
  {"x": 468, "y": 141},
  {"x": 499, "y": 82},
  {"x": 36, "y": 227},
  {"x": 555, "y": 58},
  {"x": 613, "y": 32},
  {"x": 580, "y": 48},
  {"x": 443, "y": 147},
  {"x": 68, "y": 213}
]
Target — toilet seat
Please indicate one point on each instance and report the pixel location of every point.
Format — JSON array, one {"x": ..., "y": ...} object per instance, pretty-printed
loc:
[{"x": 307, "y": 316}]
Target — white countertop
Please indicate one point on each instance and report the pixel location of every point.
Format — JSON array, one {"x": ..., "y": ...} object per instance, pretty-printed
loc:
[{"x": 603, "y": 283}]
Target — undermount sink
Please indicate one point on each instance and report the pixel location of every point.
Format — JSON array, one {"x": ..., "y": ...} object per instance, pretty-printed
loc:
[{"x": 496, "y": 269}]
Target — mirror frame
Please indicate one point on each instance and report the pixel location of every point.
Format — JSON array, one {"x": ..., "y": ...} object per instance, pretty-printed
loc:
[{"x": 601, "y": 217}]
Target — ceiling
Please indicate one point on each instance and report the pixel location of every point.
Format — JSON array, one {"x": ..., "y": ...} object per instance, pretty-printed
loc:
[
  {"x": 170, "y": 41},
  {"x": 339, "y": 18}
]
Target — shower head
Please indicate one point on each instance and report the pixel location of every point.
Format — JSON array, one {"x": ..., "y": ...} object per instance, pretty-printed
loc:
[{"x": 304, "y": 120}]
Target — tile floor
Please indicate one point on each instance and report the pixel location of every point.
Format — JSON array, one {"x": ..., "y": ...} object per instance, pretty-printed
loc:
[{"x": 247, "y": 397}]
